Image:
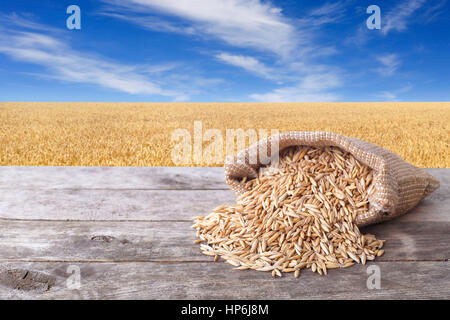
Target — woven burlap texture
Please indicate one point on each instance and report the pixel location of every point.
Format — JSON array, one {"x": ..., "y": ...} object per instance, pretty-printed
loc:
[{"x": 399, "y": 186}]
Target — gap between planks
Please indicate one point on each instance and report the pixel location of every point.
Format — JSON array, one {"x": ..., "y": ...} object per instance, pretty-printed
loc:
[
  {"x": 92, "y": 221},
  {"x": 189, "y": 261},
  {"x": 115, "y": 189}
]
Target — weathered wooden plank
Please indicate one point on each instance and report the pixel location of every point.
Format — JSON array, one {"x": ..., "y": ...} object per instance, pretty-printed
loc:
[
  {"x": 178, "y": 178},
  {"x": 172, "y": 241},
  {"x": 76, "y": 204},
  {"x": 98, "y": 241},
  {"x": 202, "y": 280},
  {"x": 413, "y": 240},
  {"x": 110, "y": 204}
]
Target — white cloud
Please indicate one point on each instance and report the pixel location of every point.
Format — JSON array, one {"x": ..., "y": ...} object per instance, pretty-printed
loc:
[
  {"x": 328, "y": 9},
  {"x": 434, "y": 11},
  {"x": 250, "y": 24},
  {"x": 241, "y": 23},
  {"x": 360, "y": 37},
  {"x": 388, "y": 96},
  {"x": 398, "y": 17},
  {"x": 65, "y": 64},
  {"x": 159, "y": 68},
  {"x": 320, "y": 82},
  {"x": 248, "y": 63},
  {"x": 324, "y": 14},
  {"x": 393, "y": 94},
  {"x": 13, "y": 19},
  {"x": 313, "y": 87},
  {"x": 22, "y": 40},
  {"x": 153, "y": 23},
  {"x": 389, "y": 64}
]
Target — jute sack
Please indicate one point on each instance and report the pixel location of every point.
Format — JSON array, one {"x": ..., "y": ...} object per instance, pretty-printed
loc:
[{"x": 399, "y": 185}]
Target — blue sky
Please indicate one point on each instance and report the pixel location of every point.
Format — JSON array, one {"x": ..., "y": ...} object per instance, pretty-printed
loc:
[{"x": 225, "y": 51}]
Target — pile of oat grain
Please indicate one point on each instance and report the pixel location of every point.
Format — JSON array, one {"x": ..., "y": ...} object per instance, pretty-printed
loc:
[{"x": 300, "y": 215}]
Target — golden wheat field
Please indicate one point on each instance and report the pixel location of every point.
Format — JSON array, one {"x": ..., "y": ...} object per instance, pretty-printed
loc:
[{"x": 140, "y": 134}]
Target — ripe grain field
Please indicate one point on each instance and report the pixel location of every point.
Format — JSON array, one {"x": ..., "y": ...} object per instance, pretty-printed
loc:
[{"x": 139, "y": 134}]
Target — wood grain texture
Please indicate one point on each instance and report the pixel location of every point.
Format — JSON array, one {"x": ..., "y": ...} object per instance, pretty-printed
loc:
[
  {"x": 89, "y": 199},
  {"x": 130, "y": 178},
  {"x": 110, "y": 204},
  {"x": 98, "y": 241},
  {"x": 129, "y": 231},
  {"x": 203, "y": 280},
  {"x": 173, "y": 241}
]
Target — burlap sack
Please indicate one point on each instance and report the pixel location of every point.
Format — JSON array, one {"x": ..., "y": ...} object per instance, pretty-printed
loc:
[{"x": 399, "y": 186}]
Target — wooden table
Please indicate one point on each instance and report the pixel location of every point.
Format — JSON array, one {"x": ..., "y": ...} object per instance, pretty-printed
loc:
[{"x": 128, "y": 233}]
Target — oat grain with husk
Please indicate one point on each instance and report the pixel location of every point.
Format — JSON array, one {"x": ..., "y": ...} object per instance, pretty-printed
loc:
[{"x": 300, "y": 214}]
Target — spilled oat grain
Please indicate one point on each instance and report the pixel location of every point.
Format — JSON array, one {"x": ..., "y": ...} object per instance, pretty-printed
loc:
[{"x": 298, "y": 215}]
